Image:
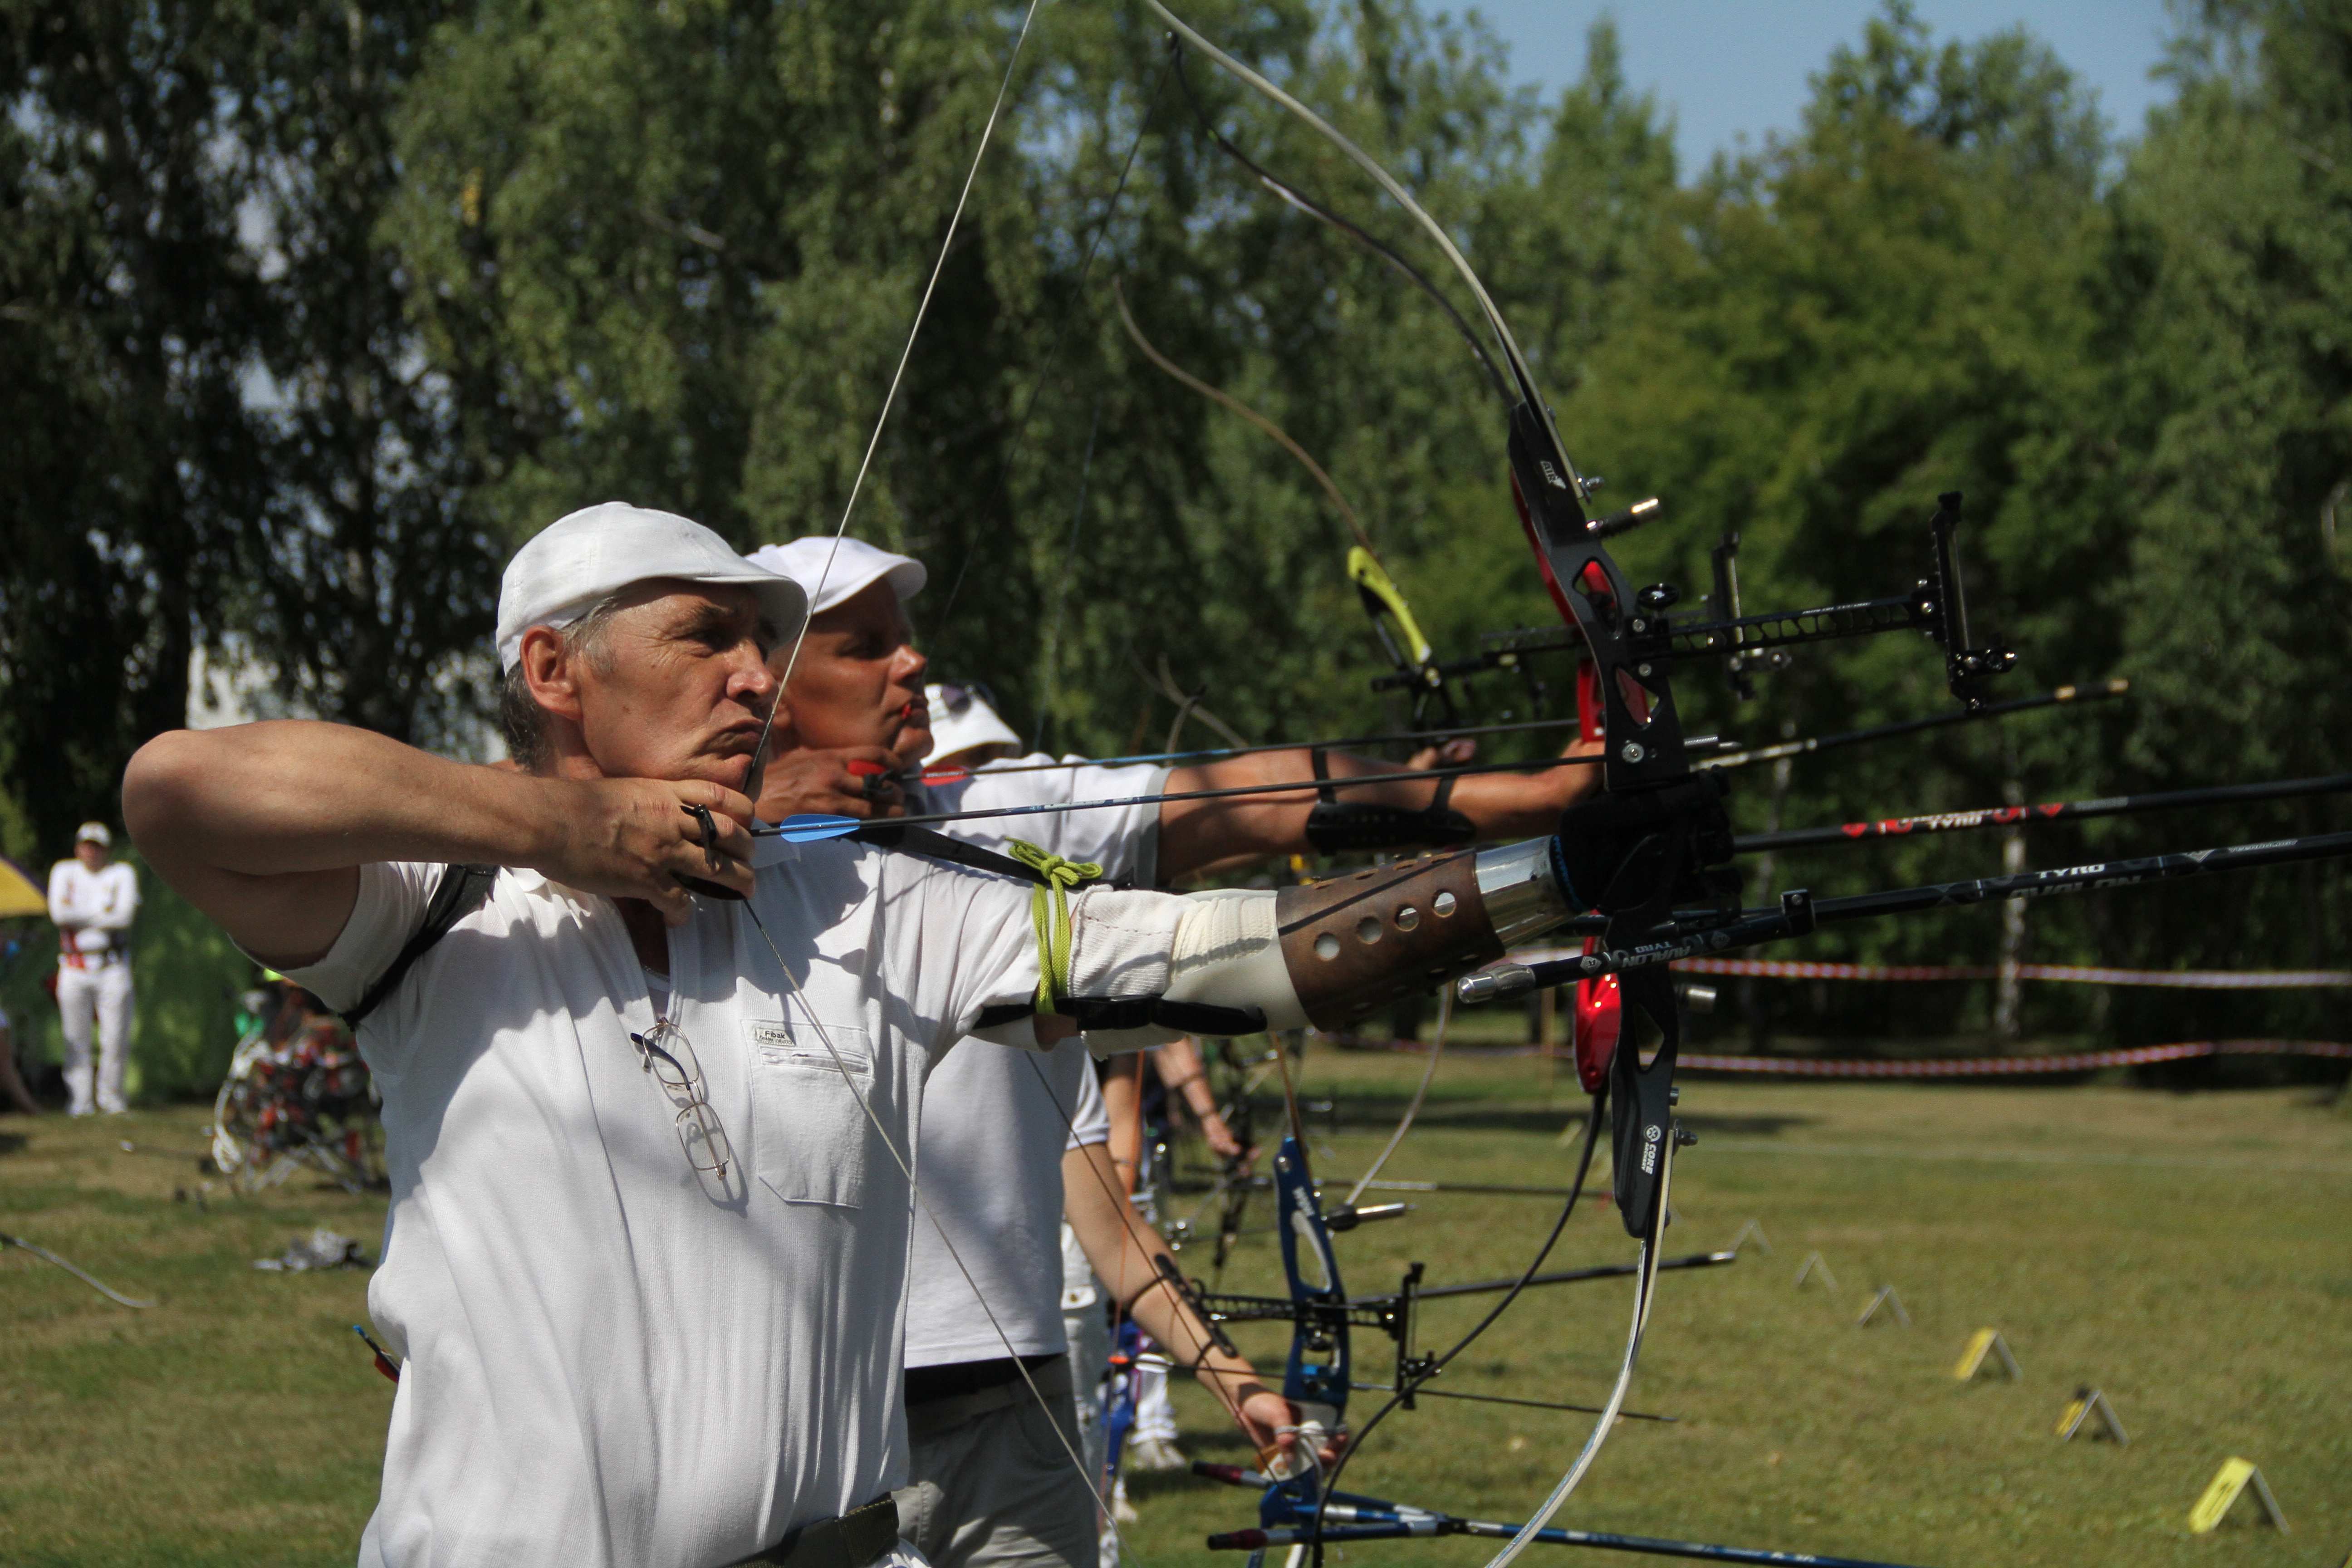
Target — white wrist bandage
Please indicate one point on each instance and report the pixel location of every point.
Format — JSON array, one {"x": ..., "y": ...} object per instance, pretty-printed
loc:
[{"x": 1227, "y": 953}]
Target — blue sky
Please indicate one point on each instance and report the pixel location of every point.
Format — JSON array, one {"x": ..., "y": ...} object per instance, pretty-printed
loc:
[{"x": 1728, "y": 66}]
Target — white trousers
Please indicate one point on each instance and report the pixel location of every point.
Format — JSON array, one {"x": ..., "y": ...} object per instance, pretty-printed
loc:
[{"x": 100, "y": 996}]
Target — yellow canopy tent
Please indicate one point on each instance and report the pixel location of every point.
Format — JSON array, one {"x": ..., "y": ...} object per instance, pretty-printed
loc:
[{"x": 19, "y": 895}]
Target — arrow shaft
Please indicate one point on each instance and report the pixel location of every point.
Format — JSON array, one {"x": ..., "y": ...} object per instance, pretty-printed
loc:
[
  {"x": 1572, "y": 1276},
  {"x": 1507, "y": 1399},
  {"x": 835, "y": 826},
  {"x": 1368, "y": 1524},
  {"x": 1760, "y": 926},
  {"x": 1806, "y": 747},
  {"x": 2062, "y": 811}
]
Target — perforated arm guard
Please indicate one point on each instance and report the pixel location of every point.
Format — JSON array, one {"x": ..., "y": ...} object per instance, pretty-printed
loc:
[{"x": 1358, "y": 943}]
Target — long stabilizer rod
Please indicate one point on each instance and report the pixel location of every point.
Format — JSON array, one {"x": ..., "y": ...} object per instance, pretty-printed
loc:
[{"x": 1800, "y": 913}]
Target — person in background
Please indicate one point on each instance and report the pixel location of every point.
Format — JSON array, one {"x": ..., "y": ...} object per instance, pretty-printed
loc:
[
  {"x": 1137, "y": 1097},
  {"x": 1185, "y": 1077},
  {"x": 966, "y": 731},
  {"x": 93, "y": 899}
]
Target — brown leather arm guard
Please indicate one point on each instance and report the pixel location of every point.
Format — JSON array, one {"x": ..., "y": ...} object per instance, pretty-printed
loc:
[{"x": 1360, "y": 941}]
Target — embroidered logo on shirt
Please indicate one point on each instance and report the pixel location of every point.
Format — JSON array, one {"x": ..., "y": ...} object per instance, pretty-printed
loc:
[{"x": 800, "y": 1045}]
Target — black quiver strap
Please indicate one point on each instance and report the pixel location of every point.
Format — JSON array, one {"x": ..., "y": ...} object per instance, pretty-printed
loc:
[
  {"x": 1092, "y": 1013},
  {"x": 934, "y": 845},
  {"x": 1336, "y": 826},
  {"x": 461, "y": 891}
]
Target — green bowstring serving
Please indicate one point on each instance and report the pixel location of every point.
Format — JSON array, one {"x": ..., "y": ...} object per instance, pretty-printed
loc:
[{"x": 1049, "y": 908}]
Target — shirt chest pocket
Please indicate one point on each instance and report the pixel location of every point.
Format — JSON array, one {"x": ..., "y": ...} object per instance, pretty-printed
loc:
[{"x": 810, "y": 1133}]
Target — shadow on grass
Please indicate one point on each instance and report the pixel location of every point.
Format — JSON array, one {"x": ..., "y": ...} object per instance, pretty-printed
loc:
[{"x": 11, "y": 1142}]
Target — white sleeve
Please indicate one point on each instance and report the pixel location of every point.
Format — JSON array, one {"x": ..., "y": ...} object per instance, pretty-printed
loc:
[
  {"x": 1123, "y": 840},
  {"x": 58, "y": 911},
  {"x": 1218, "y": 947},
  {"x": 388, "y": 910},
  {"x": 116, "y": 913},
  {"x": 959, "y": 943},
  {"x": 1090, "y": 1122}
]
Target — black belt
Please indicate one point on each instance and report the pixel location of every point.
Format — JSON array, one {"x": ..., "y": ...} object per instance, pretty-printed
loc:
[
  {"x": 853, "y": 1539},
  {"x": 926, "y": 1383}
]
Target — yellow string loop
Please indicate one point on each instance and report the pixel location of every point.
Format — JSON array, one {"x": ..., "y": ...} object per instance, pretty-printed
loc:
[{"x": 1049, "y": 908}]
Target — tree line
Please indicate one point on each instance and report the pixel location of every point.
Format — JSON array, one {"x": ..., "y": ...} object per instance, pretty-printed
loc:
[{"x": 313, "y": 313}]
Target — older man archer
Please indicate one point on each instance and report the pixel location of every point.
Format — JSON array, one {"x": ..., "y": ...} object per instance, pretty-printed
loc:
[{"x": 649, "y": 1226}]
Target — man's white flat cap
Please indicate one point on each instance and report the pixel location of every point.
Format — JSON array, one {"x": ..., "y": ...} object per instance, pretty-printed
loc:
[
  {"x": 580, "y": 560},
  {"x": 836, "y": 571},
  {"x": 964, "y": 724},
  {"x": 94, "y": 833}
]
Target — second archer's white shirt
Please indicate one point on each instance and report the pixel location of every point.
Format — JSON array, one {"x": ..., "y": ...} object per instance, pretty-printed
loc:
[{"x": 994, "y": 1125}]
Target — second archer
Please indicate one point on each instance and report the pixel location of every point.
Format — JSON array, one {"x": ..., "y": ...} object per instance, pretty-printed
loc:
[{"x": 854, "y": 723}]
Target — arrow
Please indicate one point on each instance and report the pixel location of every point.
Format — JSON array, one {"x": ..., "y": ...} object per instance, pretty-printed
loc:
[
  {"x": 2055, "y": 811},
  {"x": 1506, "y": 1399},
  {"x": 812, "y": 828},
  {"x": 1806, "y": 747}
]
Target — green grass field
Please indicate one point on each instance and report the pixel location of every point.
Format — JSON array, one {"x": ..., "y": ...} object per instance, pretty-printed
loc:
[{"x": 2189, "y": 1255}]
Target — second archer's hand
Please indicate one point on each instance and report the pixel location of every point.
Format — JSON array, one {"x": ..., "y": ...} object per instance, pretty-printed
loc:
[
  {"x": 823, "y": 783},
  {"x": 634, "y": 838}
]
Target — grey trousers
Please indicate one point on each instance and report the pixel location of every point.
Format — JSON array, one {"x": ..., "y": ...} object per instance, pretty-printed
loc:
[{"x": 993, "y": 1482}]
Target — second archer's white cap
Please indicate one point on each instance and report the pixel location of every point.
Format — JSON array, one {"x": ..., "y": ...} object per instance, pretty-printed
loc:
[
  {"x": 94, "y": 833},
  {"x": 593, "y": 553},
  {"x": 836, "y": 570}
]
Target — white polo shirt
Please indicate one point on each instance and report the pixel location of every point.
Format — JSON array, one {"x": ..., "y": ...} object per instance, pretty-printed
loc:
[
  {"x": 101, "y": 902},
  {"x": 608, "y": 1362},
  {"x": 1124, "y": 840},
  {"x": 995, "y": 1125}
]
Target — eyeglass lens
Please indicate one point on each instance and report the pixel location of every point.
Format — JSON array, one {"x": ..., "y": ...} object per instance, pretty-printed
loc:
[
  {"x": 669, "y": 1056},
  {"x": 707, "y": 1148}
]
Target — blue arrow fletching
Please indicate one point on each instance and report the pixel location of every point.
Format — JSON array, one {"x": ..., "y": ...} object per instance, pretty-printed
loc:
[{"x": 812, "y": 829}]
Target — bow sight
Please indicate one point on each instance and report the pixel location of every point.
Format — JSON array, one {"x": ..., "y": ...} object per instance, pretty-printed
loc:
[{"x": 1937, "y": 606}]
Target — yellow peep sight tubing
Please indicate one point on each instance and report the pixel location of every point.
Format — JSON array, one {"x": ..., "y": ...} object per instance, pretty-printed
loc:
[{"x": 1366, "y": 574}]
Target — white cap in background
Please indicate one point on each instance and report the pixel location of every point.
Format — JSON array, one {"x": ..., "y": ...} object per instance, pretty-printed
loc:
[
  {"x": 581, "y": 559},
  {"x": 94, "y": 833},
  {"x": 965, "y": 729},
  {"x": 836, "y": 571}
]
